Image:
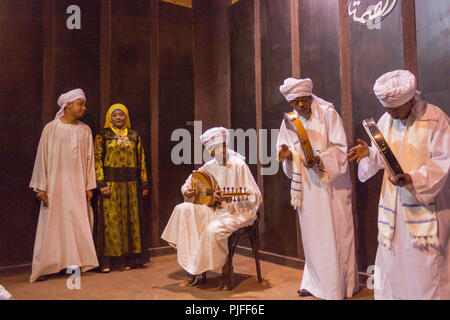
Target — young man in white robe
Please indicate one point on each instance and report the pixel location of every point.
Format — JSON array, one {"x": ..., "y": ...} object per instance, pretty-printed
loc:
[
  {"x": 321, "y": 193},
  {"x": 412, "y": 260},
  {"x": 199, "y": 232},
  {"x": 63, "y": 179}
]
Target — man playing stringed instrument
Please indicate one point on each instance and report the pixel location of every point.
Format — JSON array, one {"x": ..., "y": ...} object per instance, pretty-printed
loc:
[
  {"x": 412, "y": 259},
  {"x": 199, "y": 232},
  {"x": 313, "y": 152}
]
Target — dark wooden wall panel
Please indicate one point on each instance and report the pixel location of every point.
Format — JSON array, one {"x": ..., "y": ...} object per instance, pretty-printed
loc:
[
  {"x": 76, "y": 57},
  {"x": 176, "y": 99},
  {"x": 20, "y": 115},
  {"x": 242, "y": 66},
  {"x": 212, "y": 62},
  {"x": 319, "y": 48},
  {"x": 242, "y": 77},
  {"x": 372, "y": 53},
  {"x": 433, "y": 46},
  {"x": 279, "y": 216},
  {"x": 130, "y": 74}
]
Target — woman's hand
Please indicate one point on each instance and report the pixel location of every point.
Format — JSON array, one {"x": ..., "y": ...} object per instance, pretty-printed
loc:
[
  {"x": 145, "y": 192},
  {"x": 42, "y": 195},
  {"x": 106, "y": 192}
]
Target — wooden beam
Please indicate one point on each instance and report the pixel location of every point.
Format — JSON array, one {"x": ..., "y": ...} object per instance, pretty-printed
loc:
[
  {"x": 105, "y": 59},
  {"x": 154, "y": 105},
  {"x": 346, "y": 92},
  {"x": 48, "y": 81},
  {"x": 409, "y": 37},
  {"x": 258, "y": 108},
  {"x": 295, "y": 39}
]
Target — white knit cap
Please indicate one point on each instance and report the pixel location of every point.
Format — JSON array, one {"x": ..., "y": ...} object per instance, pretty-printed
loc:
[
  {"x": 395, "y": 88},
  {"x": 293, "y": 88},
  {"x": 214, "y": 136}
]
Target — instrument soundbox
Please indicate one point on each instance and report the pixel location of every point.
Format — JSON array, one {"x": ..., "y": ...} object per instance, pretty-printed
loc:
[
  {"x": 391, "y": 163},
  {"x": 293, "y": 123},
  {"x": 204, "y": 186}
]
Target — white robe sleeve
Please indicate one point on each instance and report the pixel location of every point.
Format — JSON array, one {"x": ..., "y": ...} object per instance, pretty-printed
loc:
[
  {"x": 91, "y": 181},
  {"x": 429, "y": 179},
  {"x": 39, "y": 177},
  {"x": 334, "y": 158}
]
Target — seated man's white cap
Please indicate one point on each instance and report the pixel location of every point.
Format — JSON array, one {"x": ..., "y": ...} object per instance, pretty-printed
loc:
[
  {"x": 214, "y": 136},
  {"x": 293, "y": 88},
  {"x": 395, "y": 88}
]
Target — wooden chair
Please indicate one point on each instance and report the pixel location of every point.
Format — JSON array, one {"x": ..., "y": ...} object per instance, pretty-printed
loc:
[{"x": 233, "y": 240}]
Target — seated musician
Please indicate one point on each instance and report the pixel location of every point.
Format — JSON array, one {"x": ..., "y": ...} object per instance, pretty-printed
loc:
[
  {"x": 200, "y": 232},
  {"x": 412, "y": 260},
  {"x": 321, "y": 192}
]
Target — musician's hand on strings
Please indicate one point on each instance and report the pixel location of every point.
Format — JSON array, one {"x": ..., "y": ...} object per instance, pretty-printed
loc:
[
  {"x": 189, "y": 193},
  {"x": 218, "y": 195},
  {"x": 284, "y": 153},
  {"x": 42, "y": 195},
  {"x": 359, "y": 152},
  {"x": 402, "y": 182}
]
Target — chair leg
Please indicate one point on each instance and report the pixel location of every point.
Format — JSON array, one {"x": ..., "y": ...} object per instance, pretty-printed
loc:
[
  {"x": 230, "y": 264},
  {"x": 254, "y": 243}
]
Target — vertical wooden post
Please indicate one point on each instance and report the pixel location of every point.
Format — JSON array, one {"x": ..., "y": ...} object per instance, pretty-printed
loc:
[
  {"x": 154, "y": 105},
  {"x": 258, "y": 107},
  {"x": 105, "y": 59},
  {"x": 409, "y": 37},
  {"x": 48, "y": 82}
]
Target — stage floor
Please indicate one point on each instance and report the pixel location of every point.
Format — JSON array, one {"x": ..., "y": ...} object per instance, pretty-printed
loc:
[{"x": 160, "y": 280}]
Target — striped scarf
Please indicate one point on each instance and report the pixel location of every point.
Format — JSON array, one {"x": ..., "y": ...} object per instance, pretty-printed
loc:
[{"x": 412, "y": 152}]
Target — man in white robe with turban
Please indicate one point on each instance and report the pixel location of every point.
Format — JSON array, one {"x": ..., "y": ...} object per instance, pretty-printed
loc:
[
  {"x": 63, "y": 179},
  {"x": 199, "y": 232},
  {"x": 321, "y": 193},
  {"x": 412, "y": 259}
]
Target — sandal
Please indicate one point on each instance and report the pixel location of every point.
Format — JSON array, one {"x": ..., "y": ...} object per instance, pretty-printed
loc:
[{"x": 106, "y": 270}]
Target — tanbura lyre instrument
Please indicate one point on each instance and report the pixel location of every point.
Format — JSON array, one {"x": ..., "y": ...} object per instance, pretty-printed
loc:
[
  {"x": 293, "y": 123},
  {"x": 391, "y": 163},
  {"x": 204, "y": 186}
]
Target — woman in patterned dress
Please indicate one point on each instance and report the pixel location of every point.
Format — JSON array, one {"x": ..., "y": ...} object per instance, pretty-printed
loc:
[{"x": 122, "y": 180}]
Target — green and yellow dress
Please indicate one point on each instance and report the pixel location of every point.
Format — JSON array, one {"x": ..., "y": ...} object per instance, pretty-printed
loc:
[{"x": 120, "y": 165}]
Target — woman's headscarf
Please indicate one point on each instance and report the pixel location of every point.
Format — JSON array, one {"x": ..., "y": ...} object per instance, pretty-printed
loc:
[{"x": 114, "y": 107}]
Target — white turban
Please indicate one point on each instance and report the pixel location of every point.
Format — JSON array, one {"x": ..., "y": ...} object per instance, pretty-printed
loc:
[
  {"x": 214, "y": 136},
  {"x": 293, "y": 88},
  {"x": 67, "y": 97},
  {"x": 395, "y": 88}
]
